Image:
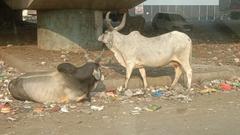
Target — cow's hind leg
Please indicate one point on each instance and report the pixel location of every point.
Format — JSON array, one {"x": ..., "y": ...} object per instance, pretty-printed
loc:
[
  {"x": 144, "y": 77},
  {"x": 129, "y": 70},
  {"x": 178, "y": 72}
]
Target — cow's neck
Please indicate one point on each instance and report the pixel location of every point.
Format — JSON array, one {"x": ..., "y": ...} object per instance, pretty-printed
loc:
[
  {"x": 117, "y": 41},
  {"x": 116, "y": 46}
]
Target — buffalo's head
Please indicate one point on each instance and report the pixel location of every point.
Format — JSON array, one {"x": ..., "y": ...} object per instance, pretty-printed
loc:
[{"x": 90, "y": 70}]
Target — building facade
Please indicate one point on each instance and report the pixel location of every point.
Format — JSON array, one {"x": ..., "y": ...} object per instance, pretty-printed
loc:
[{"x": 192, "y": 10}]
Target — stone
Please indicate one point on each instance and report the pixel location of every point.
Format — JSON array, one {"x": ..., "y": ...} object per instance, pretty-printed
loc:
[{"x": 237, "y": 60}]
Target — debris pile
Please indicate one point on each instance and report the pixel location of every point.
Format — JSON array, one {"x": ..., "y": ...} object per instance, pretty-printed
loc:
[{"x": 100, "y": 100}]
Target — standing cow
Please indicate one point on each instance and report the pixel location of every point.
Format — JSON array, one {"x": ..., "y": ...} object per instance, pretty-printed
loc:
[
  {"x": 68, "y": 83},
  {"x": 136, "y": 51}
]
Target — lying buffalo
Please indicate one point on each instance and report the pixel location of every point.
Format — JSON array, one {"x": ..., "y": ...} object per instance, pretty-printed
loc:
[{"x": 68, "y": 83}]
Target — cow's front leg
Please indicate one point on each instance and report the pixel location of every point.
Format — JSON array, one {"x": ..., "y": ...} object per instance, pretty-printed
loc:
[
  {"x": 129, "y": 70},
  {"x": 143, "y": 74}
]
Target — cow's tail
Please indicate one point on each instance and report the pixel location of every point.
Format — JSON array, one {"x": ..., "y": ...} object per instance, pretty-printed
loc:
[
  {"x": 190, "y": 53},
  {"x": 189, "y": 49}
]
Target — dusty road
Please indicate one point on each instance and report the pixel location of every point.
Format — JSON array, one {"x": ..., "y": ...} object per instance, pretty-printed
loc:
[{"x": 216, "y": 114}]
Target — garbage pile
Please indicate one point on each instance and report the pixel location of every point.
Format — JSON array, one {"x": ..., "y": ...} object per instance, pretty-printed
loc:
[
  {"x": 100, "y": 100},
  {"x": 220, "y": 85}
]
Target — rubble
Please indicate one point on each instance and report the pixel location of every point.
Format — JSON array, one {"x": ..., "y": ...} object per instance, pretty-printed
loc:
[{"x": 237, "y": 60}]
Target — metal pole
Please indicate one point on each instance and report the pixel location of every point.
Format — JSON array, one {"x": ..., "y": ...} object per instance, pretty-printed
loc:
[
  {"x": 151, "y": 13},
  {"x": 214, "y": 13},
  {"x": 191, "y": 16},
  {"x": 207, "y": 13},
  {"x": 199, "y": 13},
  {"x": 183, "y": 11}
]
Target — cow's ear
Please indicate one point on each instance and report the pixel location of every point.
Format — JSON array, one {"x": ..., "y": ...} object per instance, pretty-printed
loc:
[
  {"x": 66, "y": 68},
  {"x": 97, "y": 74}
]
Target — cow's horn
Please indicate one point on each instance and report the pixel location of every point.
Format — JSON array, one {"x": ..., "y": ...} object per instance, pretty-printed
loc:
[
  {"x": 108, "y": 21},
  {"x": 122, "y": 24}
]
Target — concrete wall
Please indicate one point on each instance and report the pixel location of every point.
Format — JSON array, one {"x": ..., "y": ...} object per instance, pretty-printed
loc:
[{"x": 69, "y": 29}]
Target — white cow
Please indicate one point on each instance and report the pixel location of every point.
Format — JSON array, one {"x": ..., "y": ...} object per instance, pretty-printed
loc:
[{"x": 136, "y": 51}]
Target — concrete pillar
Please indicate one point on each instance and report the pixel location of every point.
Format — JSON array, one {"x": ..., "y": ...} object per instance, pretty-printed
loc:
[{"x": 71, "y": 30}]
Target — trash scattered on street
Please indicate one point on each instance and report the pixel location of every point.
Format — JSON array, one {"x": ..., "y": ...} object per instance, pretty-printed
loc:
[
  {"x": 207, "y": 90},
  {"x": 5, "y": 100},
  {"x": 152, "y": 108},
  {"x": 128, "y": 93},
  {"x": 157, "y": 93},
  {"x": 225, "y": 87},
  {"x": 43, "y": 63},
  {"x": 136, "y": 111},
  {"x": 120, "y": 89},
  {"x": 55, "y": 108},
  {"x": 237, "y": 84},
  {"x": 111, "y": 93},
  {"x": 237, "y": 60},
  {"x": 63, "y": 56},
  {"x": 138, "y": 108},
  {"x": 64, "y": 109},
  {"x": 5, "y": 108},
  {"x": 10, "y": 108},
  {"x": 215, "y": 58},
  {"x": 184, "y": 98},
  {"x": 11, "y": 119},
  {"x": 72, "y": 106},
  {"x": 138, "y": 92},
  {"x": 27, "y": 106},
  {"x": 38, "y": 110},
  {"x": 97, "y": 108}
]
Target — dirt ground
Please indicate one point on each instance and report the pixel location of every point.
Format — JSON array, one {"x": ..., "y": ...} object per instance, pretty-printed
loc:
[{"x": 214, "y": 113}]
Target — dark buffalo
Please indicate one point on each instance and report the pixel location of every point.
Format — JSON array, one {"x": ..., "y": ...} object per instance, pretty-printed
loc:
[{"x": 68, "y": 83}]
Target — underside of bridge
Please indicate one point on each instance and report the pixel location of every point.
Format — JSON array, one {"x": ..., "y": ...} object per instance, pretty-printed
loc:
[
  {"x": 8, "y": 17},
  {"x": 70, "y": 24}
]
